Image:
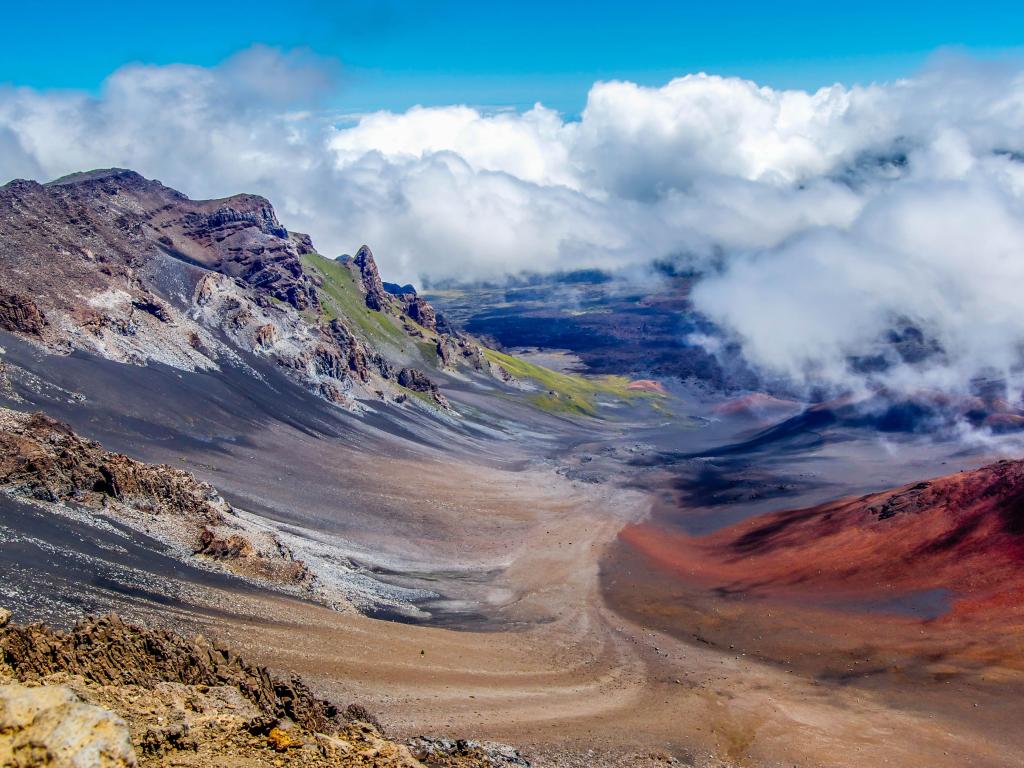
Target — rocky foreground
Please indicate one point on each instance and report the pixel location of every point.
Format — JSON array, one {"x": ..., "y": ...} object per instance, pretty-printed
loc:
[{"x": 112, "y": 695}]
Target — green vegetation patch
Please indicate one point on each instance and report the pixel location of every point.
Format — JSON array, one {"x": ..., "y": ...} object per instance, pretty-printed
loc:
[
  {"x": 340, "y": 296},
  {"x": 565, "y": 392}
]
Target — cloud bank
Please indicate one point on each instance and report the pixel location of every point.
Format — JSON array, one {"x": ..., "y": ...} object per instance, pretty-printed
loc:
[{"x": 855, "y": 236}]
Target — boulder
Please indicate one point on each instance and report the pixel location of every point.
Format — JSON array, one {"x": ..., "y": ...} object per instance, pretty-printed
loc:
[
  {"x": 420, "y": 311},
  {"x": 50, "y": 726},
  {"x": 19, "y": 314}
]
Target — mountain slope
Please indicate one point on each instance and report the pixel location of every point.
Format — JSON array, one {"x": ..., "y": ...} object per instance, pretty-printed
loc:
[
  {"x": 203, "y": 335},
  {"x": 124, "y": 267},
  {"x": 963, "y": 533}
]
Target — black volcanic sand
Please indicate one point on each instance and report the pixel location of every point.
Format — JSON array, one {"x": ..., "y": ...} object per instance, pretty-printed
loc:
[{"x": 58, "y": 567}]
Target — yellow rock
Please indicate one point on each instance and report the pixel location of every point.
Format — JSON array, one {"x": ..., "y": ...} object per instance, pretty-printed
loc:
[
  {"x": 51, "y": 726},
  {"x": 281, "y": 741}
]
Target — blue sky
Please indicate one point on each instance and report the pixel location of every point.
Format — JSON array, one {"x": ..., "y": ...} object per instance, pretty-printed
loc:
[{"x": 398, "y": 53}]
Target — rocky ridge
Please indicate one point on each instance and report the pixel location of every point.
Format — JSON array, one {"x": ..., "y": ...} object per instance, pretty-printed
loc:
[
  {"x": 131, "y": 270},
  {"x": 420, "y": 319},
  {"x": 402, "y": 299},
  {"x": 43, "y": 460},
  {"x": 113, "y": 695},
  {"x": 329, "y": 359}
]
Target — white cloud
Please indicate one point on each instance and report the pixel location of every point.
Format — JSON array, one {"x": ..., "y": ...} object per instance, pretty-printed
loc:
[
  {"x": 827, "y": 218},
  {"x": 698, "y": 125},
  {"x": 945, "y": 257},
  {"x": 532, "y": 146}
]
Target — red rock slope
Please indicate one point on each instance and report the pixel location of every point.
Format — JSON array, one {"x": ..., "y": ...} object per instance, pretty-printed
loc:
[{"x": 963, "y": 532}]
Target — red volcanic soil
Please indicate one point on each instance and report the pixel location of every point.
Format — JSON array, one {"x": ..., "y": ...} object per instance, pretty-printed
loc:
[
  {"x": 755, "y": 404},
  {"x": 647, "y": 385},
  {"x": 963, "y": 533}
]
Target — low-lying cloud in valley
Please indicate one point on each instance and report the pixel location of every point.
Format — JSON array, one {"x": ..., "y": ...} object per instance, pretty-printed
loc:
[{"x": 864, "y": 233}]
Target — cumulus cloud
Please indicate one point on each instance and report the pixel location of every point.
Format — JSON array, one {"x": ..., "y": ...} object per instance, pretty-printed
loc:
[
  {"x": 854, "y": 236},
  {"x": 942, "y": 258}
]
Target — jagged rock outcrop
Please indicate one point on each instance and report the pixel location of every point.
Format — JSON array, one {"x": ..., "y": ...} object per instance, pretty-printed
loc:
[
  {"x": 444, "y": 352},
  {"x": 472, "y": 354},
  {"x": 373, "y": 287},
  {"x": 45, "y": 460},
  {"x": 303, "y": 242},
  {"x": 110, "y": 652},
  {"x": 355, "y": 354},
  {"x": 417, "y": 381},
  {"x": 454, "y": 349},
  {"x": 239, "y": 236},
  {"x": 410, "y": 378},
  {"x": 416, "y": 308},
  {"x": 380, "y": 295},
  {"x": 166, "y": 700},
  {"x": 19, "y": 314},
  {"x": 420, "y": 311},
  {"x": 264, "y": 557}
]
